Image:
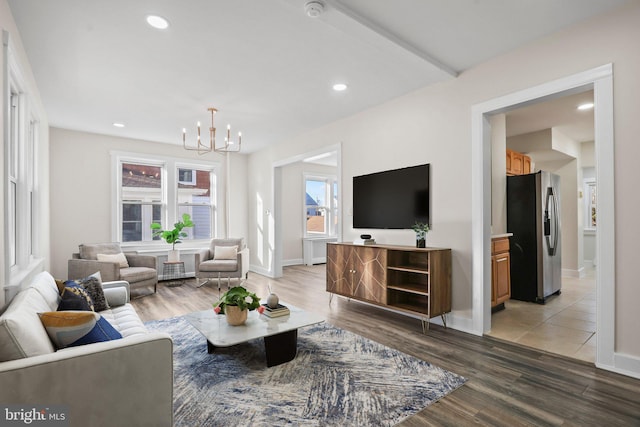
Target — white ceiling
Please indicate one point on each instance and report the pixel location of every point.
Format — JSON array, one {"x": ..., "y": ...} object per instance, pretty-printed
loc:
[
  {"x": 560, "y": 113},
  {"x": 264, "y": 64}
]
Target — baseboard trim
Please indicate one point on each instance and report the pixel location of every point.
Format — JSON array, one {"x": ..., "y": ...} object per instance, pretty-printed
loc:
[
  {"x": 261, "y": 270},
  {"x": 290, "y": 262},
  {"x": 624, "y": 364},
  {"x": 574, "y": 273}
]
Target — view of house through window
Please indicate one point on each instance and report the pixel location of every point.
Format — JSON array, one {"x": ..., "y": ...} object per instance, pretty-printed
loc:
[
  {"x": 145, "y": 200},
  {"x": 141, "y": 200},
  {"x": 321, "y": 205},
  {"x": 194, "y": 198}
]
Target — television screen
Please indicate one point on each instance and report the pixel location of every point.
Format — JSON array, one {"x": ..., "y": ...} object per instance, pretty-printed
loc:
[{"x": 391, "y": 199}]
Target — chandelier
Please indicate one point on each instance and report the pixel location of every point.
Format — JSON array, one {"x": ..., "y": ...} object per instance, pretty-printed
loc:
[{"x": 203, "y": 148}]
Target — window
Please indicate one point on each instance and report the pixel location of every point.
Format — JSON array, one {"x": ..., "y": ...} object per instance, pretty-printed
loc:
[
  {"x": 186, "y": 176},
  {"x": 159, "y": 190},
  {"x": 21, "y": 173},
  {"x": 320, "y": 205},
  {"x": 12, "y": 202},
  {"x": 142, "y": 200},
  {"x": 194, "y": 198},
  {"x": 590, "y": 204}
]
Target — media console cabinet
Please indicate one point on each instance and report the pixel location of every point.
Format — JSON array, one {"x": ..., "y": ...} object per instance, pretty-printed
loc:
[{"x": 414, "y": 281}]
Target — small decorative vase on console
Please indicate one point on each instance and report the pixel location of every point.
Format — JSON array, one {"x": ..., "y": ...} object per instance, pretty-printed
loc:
[
  {"x": 421, "y": 242},
  {"x": 235, "y": 316}
]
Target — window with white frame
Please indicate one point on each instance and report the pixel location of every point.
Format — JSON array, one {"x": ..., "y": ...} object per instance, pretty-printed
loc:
[
  {"x": 159, "y": 190},
  {"x": 590, "y": 204},
  {"x": 21, "y": 151},
  {"x": 195, "y": 198},
  {"x": 320, "y": 205}
]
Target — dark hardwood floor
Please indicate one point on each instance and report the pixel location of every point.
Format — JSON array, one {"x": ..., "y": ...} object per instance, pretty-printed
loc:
[{"x": 508, "y": 385}]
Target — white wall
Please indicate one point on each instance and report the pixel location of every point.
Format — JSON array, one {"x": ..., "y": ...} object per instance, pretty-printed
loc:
[
  {"x": 17, "y": 281},
  {"x": 81, "y": 184},
  {"x": 433, "y": 125}
]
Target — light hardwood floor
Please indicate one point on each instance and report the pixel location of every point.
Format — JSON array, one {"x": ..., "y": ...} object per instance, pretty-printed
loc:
[{"x": 508, "y": 384}]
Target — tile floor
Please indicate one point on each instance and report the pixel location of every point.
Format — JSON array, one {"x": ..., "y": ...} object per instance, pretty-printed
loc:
[{"x": 565, "y": 325}]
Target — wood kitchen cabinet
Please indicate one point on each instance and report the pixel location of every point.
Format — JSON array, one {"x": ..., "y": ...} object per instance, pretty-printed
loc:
[
  {"x": 500, "y": 272},
  {"x": 517, "y": 163},
  {"x": 416, "y": 281}
]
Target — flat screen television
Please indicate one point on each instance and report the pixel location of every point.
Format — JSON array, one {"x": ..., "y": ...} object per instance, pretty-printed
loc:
[{"x": 393, "y": 199}]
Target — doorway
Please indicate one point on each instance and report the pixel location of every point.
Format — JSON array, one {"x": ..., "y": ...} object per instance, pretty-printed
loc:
[
  {"x": 555, "y": 136},
  {"x": 325, "y": 157},
  {"x": 601, "y": 81}
]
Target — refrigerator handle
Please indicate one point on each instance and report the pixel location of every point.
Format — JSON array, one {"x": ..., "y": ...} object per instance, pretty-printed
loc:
[{"x": 551, "y": 197}]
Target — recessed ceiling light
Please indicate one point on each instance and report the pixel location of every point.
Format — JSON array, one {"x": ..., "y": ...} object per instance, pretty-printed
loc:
[
  {"x": 119, "y": 125},
  {"x": 585, "y": 106},
  {"x": 339, "y": 87},
  {"x": 157, "y": 22}
]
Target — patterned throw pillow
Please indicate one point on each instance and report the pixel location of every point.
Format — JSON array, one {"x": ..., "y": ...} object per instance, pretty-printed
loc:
[
  {"x": 93, "y": 286},
  {"x": 75, "y": 297},
  {"x": 74, "y": 328}
]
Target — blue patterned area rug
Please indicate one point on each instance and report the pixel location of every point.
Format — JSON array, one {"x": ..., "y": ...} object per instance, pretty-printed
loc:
[{"x": 337, "y": 379}]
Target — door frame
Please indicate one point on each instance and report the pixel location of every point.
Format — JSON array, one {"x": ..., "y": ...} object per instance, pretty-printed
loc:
[
  {"x": 276, "y": 194},
  {"x": 599, "y": 79}
]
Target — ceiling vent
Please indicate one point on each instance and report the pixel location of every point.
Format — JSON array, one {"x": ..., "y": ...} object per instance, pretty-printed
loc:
[{"x": 314, "y": 9}]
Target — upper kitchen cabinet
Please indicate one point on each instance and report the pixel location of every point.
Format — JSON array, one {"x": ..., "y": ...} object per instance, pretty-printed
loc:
[{"x": 518, "y": 163}]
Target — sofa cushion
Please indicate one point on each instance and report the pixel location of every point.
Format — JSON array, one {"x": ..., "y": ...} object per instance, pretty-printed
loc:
[
  {"x": 125, "y": 319},
  {"x": 137, "y": 274},
  {"x": 239, "y": 243},
  {"x": 45, "y": 284},
  {"x": 91, "y": 251},
  {"x": 21, "y": 332},
  {"x": 74, "y": 328},
  {"x": 75, "y": 297},
  {"x": 93, "y": 286},
  {"x": 225, "y": 252},
  {"x": 119, "y": 258},
  {"x": 219, "y": 265}
]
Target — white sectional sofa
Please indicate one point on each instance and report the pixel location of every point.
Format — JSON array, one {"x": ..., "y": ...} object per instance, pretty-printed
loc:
[{"x": 124, "y": 382}]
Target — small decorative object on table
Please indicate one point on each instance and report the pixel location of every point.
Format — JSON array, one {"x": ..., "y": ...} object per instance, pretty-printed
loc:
[
  {"x": 236, "y": 303},
  {"x": 421, "y": 229},
  {"x": 272, "y": 299},
  {"x": 277, "y": 311}
]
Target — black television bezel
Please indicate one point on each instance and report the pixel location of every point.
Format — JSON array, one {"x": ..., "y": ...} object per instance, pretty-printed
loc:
[{"x": 359, "y": 221}]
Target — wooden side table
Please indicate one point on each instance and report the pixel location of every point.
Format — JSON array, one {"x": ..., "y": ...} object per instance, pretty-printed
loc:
[{"x": 173, "y": 273}]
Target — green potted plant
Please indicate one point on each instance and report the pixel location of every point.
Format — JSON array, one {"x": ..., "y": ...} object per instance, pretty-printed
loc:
[
  {"x": 236, "y": 303},
  {"x": 421, "y": 229},
  {"x": 173, "y": 236}
]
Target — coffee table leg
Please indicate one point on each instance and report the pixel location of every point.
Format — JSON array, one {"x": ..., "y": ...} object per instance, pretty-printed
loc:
[
  {"x": 210, "y": 347},
  {"x": 281, "y": 348}
]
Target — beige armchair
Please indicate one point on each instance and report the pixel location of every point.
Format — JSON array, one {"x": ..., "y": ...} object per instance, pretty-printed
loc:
[
  {"x": 113, "y": 264},
  {"x": 223, "y": 259}
]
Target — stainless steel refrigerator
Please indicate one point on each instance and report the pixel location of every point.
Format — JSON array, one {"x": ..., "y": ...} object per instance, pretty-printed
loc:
[{"x": 533, "y": 216}]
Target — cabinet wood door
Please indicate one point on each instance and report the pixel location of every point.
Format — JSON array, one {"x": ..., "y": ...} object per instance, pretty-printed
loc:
[
  {"x": 339, "y": 269},
  {"x": 370, "y": 274},
  {"x": 526, "y": 164},
  {"x": 503, "y": 277},
  {"x": 517, "y": 163},
  {"x": 494, "y": 282},
  {"x": 509, "y": 168}
]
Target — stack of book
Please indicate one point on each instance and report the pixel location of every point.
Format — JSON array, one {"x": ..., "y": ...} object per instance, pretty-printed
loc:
[{"x": 280, "y": 310}]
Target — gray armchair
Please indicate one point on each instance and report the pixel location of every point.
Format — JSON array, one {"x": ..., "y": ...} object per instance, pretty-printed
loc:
[
  {"x": 142, "y": 270},
  {"x": 223, "y": 263}
]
